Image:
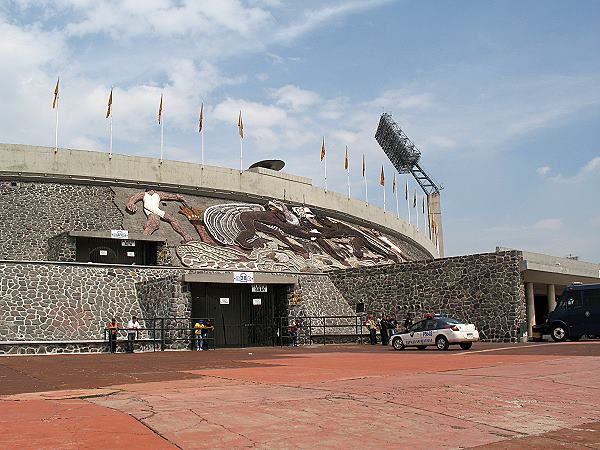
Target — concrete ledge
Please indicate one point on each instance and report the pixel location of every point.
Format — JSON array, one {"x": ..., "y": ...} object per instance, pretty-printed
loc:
[
  {"x": 133, "y": 236},
  {"x": 227, "y": 277}
]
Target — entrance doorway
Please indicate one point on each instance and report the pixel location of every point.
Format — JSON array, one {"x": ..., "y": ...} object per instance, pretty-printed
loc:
[{"x": 242, "y": 318}]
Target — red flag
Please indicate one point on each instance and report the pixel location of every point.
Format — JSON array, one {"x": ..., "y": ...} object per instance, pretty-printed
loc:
[
  {"x": 323, "y": 150},
  {"x": 160, "y": 110}
]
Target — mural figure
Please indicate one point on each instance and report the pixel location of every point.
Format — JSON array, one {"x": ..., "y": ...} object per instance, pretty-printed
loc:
[{"x": 151, "y": 201}]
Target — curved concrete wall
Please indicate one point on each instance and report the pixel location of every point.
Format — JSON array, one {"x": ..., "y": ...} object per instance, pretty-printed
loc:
[{"x": 86, "y": 167}]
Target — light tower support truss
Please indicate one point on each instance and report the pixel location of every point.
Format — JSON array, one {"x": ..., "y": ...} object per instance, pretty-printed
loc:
[{"x": 402, "y": 152}]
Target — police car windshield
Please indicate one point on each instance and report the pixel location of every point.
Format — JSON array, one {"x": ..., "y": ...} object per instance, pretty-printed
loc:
[{"x": 450, "y": 321}]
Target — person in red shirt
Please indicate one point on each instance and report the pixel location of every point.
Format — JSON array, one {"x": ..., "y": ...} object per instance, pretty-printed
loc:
[{"x": 113, "y": 333}]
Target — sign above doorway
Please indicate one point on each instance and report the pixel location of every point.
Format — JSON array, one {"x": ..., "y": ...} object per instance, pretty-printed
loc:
[
  {"x": 259, "y": 288},
  {"x": 243, "y": 277}
]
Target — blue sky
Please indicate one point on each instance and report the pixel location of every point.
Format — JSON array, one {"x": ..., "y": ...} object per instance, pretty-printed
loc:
[{"x": 502, "y": 98}]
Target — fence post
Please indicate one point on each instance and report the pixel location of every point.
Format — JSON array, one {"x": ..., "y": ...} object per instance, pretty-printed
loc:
[{"x": 162, "y": 334}]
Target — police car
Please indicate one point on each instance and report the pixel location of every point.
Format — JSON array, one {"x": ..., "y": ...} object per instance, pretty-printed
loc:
[{"x": 438, "y": 330}]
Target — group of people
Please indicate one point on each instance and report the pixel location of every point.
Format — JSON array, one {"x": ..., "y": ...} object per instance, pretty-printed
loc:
[
  {"x": 201, "y": 329},
  {"x": 386, "y": 324},
  {"x": 133, "y": 328}
]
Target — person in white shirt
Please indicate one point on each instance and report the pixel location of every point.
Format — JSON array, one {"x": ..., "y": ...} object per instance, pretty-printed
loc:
[{"x": 132, "y": 330}]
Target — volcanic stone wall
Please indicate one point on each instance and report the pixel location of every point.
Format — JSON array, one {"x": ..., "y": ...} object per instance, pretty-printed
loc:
[
  {"x": 31, "y": 213},
  {"x": 484, "y": 289}
]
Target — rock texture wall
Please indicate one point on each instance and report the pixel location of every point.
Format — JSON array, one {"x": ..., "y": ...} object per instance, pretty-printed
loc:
[
  {"x": 484, "y": 289},
  {"x": 32, "y": 213}
]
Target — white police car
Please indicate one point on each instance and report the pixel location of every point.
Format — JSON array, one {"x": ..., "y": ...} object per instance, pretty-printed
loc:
[{"x": 441, "y": 331}]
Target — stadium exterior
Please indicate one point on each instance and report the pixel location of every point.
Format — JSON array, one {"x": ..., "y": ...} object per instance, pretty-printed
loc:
[{"x": 85, "y": 238}]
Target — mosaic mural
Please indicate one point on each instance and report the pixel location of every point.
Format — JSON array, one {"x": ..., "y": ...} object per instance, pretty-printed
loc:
[{"x": 270, "y": 237}]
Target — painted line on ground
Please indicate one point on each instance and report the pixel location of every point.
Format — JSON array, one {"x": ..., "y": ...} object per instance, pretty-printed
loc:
[{"x": 520, "y": 347}]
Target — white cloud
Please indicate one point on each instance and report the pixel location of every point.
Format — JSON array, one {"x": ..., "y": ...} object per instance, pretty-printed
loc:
[
  {"x": 583, "y": 173},
  {"x": 548, "y": 224},
  {"x": 295, "y": 98},
  {"x": 543, "y": 171},
  {"x": 592, "y": 166}
]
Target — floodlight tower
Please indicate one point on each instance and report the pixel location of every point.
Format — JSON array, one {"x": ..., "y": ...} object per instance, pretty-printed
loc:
[{"x": 405, "y": 156}]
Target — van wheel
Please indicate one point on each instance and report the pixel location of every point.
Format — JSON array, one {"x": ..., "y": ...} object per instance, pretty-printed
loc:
[
  {"x": 574, "y": 338},
  {"x": 398, "y": 344},
  {"x": 466, "y": 345},
  {"x": 442, "y": 343},
  {"x": 559, "y": 333}
]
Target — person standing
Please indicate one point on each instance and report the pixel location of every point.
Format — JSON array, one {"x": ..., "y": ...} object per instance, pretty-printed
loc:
[
  {"x": 208, "y": 326},
  {"x": 408, "y": 320},
  {"x": 384, "y": 326},
  {"x": 198, "y": 331},
  {"x": 133, "y": 326},
  {"x": 294, "y": 330},
  {"x": 372, "y": 327},
  {"x": 113, "y": 334},
  {"x": 393, "y": 325}
]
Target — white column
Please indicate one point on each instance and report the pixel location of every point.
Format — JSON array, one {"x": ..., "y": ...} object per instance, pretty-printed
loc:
[
  {"x": 530, "y": 299},
  {"x": 551, "y": 297}
]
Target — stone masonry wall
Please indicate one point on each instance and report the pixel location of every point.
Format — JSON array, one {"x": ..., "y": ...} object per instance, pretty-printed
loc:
[
  {"x": 32, "y": 213},
  {"x": 62, "y": 248},
  {"x": 484, "y": 289}
]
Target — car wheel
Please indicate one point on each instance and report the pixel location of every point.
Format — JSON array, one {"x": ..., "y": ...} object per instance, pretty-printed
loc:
[
  {"x": 442, "y": 343},
  {"x": 574, "y": 338},
  {"x": 398, "y": 344},
  {"x": 466, "y": 345},
  {"x": 421, "y": 347},
  {"x": 559, "y": 333}
]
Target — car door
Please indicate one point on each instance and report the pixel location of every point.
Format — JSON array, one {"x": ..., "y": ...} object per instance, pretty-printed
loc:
[
  {"x": 415, "y": 334},
  {"x": 574, "y": 316},
  {"x": 429, "y": 331}
]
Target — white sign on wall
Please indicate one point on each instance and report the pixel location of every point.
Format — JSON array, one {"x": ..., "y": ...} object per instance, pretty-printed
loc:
[
  {"x": 103, "y": 252},
  {"x": 127, "y": 243},
  {"x": 224, "y": 300},
  {"x": 259, "y": 288},
  {"x": 257, "y": 301},
  {"x": 119, "y": 234},
  {"x": 243, "y": 277},
  {"x": 131, "y": 254}
]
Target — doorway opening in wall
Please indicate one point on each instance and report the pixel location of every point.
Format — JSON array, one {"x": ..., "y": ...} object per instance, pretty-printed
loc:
[
  {"x": 541, "y": 308},
  {"x": 244, "y": 314},
  {"x": 116, "y": 251}
]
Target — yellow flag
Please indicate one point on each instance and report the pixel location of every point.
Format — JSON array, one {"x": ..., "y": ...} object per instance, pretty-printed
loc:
[
  {"x": 364, "y": 166},
  {"x": 394, "y": 183},
  {"x": 323, "y": 150},
  {"x": 160, "y": 109},
  {"x": 55, "y": 101},
  {"x": 346, "y": 160},
  {"x": 109, "y": 105},
  {"x": 201, "y": 118},
  {"x": 382, "y": 177},
  {"x": 241, "y": 126}
]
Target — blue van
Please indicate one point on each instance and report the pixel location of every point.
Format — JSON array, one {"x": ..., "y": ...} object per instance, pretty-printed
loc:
[{"x": 577, "y": 313}]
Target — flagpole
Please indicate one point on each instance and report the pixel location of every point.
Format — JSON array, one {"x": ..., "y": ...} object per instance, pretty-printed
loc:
[
  {"x": 325, "y": 160},
  {"x": 111, "y": 132},
  {"x": 56, "y": 130},
  {"x": 417, "y": 212},
  {"x": 407, "y": 199},
  {"x": 348, "y": 170},
  {"x": 241, "y": 154},
  {"x": 397, "y": 208},
  {"x": 366, "y": 191},
  {"x": 162, "y": 123},
  {"x": 383, "y": 198},
  {"x": 202, "y": 138}
]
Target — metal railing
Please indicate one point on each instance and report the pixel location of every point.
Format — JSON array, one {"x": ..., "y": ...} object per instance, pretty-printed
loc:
[{"x": 166, "y": 332}]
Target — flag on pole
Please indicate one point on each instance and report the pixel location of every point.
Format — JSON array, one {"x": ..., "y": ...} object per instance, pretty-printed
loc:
[
  {"x": 241, "y": 126},
  {"x": 109, "y": 105},
  {"x": 201, "y": 118},
  {"x": 382, "y": 177},
  {"x": 406, "y": 190},
  {"x": 394, "y": 183},
  {"x": 55, "y": 101},
  {"x": 364, "y": 166},
  {"x": 423, "y": 205},
  {"x": 415, "y": 199},
  {"x": 346, "y": 160},
  {"x": 323, "y": 150},
  {"x": 160, "y": 110}
]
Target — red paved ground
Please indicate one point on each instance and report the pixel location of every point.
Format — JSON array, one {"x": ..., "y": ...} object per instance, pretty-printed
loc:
[{"x": 538, "y": 396}]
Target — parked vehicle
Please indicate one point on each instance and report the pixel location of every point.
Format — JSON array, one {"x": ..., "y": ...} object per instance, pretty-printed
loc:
[
  {"x": 441, "y": 331},
  {"x": 577, "y": 313}
]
